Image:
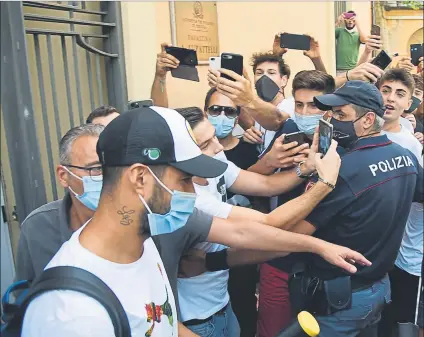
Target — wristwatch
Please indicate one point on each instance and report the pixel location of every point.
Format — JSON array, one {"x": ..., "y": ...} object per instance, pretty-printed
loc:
[{"x": 299, "y": 171}]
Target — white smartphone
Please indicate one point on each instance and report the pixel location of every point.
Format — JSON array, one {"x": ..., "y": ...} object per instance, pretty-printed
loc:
[{"x": 215, "y": 62}]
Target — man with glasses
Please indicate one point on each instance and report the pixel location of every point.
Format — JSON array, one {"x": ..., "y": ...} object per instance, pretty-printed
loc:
[{"x": 46, "y": 228}]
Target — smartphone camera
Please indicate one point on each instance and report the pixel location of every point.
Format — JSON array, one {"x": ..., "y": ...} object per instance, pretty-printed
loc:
[{"x": 134, "y": 105}]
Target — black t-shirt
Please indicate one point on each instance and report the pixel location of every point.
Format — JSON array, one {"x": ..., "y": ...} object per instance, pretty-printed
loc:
[
  {"x": 369, "y": 207},
  {"x": 419, "y": 127},
  {"x": 243, "y": 155}
]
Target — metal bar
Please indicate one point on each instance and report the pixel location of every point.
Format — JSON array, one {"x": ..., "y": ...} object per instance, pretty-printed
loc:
[
  {"x": 90, "y": 79},
  {"x": 18, "y": 112},
  {"x": 61, "y": 7},
  {"x": 53, "y": 87},
  {"x": 77, "y": 79},
  {"x": 53, "y": 19},
  {"x": 115, "y": 67},
  {"x": 45, "y": 116},
  {"x": 99, "y": 80},
  {"x": 63, "y": 33},
  {"x": 67, "y": 80},
  {"x": 81, "y": 42}
]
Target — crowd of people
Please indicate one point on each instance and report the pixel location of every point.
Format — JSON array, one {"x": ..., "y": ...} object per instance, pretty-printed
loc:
[{"x": 200, "y": 232}]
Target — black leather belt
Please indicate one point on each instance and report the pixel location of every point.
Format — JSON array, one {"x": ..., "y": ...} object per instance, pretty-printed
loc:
[{"x": 201, "y": 321}]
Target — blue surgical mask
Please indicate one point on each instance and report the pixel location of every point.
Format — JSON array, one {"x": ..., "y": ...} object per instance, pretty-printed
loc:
[
  {"x": 307, "y": 124},
  {"x": 222, "y": 124},
  {"x": 92, "y": 189},
  {"x": 182, "y": 206}
]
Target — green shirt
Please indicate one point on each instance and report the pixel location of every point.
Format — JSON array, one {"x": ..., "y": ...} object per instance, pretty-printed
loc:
[{"x": 347, "y": 49}]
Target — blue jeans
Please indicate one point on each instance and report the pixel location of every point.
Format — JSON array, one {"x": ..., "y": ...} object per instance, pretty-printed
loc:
[
  {"x": 363, "y": 317},
  {"x": 221, "y": 325}
]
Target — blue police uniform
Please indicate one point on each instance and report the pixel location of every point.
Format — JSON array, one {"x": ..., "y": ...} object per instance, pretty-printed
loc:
[{"x": 367, "y": 212}]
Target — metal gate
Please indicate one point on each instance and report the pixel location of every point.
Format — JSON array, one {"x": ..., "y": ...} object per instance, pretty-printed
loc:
[{"x": 60, "y": 60}]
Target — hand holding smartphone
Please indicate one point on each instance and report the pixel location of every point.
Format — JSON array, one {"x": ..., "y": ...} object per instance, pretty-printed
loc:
[
  {"x": 188, "y": 62},
  {"x": 325, "y": 136},
  {"x": 382, "y": 60},
  {"x": 298, "y": 137}
]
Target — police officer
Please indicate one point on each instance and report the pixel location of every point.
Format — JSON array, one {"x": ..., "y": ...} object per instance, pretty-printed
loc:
[{"x": 367, "y": 211}]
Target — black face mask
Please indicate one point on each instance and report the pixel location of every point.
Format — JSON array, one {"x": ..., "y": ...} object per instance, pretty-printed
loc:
[
  {"x": 415, "y": 104},
  {"x": 344, "y": 132},
  {"x": 266, "y": 88}
]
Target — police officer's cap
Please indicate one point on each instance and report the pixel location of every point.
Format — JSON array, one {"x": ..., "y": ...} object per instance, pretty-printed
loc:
[{"x": 360, "y": 93}]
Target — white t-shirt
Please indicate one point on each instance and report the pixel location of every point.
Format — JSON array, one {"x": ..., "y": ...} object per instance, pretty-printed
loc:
[
  {"x": 203, "y": 295},
  {"x": 407, "y": 124},
  {"x": 142, "y": 288},
  {"x": 411, "y": 250},
  {"x": 286, "y": 105}
]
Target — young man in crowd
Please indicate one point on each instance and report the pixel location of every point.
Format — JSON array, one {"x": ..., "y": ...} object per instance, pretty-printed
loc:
[
  {"x": 102, "y": 115},
  {"x": 49, "y": 226},
  {"x": 146, "y": 154},
  {"x": 274, "y": 300},
  {"x": 397, "y": 88},
  {"x": 348, "y": 40}
]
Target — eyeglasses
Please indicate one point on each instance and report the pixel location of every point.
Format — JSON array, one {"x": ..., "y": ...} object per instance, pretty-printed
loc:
[
  {"x": 94, "y": 171},
  {"x": 216, "y": 110}
]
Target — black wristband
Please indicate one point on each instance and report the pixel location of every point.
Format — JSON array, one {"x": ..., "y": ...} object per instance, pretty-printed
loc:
[{"x": 216, "y": 261}]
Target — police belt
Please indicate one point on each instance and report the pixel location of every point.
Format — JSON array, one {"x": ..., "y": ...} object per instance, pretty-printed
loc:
[{"x": 192, "y": 322}]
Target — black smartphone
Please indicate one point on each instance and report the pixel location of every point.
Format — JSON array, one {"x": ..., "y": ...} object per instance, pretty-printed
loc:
[
  {"x": 416, "y": 53},
  {"x": 232, "y": 62},
  {"x": 382, "y": 60},
  {"x": 325, "y": 136},
  {"x": 187, "y": 57},
  {"x": 375, "y": 30},
  {"x": 298, "y": 137},
  {"x": 139, "y": 104},
  {"x": 294, "y": 41}
]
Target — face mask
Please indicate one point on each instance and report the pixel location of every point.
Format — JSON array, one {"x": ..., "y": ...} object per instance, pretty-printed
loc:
[
  {"x": 92, "y": 188},
  {"x": 222, "y": 124},
  {"x": 415, "y": 104},
  {"x": 307, "y": 124},
  {"x": 182, "y": 206},
  {"x": 344, "y": 132},
  {"x": 266, "y": 88}
]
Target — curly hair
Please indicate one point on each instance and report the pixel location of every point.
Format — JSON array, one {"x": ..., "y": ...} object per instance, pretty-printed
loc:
[{"x": 259, "y": 58}]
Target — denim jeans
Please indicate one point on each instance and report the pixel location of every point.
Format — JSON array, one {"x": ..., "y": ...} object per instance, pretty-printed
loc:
[
  {"x": 221, "y": 325},
  {"x": 363, "y": 317}
]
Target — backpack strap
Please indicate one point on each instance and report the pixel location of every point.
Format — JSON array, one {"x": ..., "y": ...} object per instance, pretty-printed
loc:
[{"x": 80, "y": 280}]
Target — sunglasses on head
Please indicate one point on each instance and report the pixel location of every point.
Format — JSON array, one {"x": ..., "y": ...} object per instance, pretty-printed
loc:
[{"x": 216, "y": 110}]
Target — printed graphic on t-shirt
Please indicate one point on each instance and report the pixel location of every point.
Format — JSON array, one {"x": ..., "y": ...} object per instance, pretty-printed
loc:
[
  {"x": 155, "y": 312},
  {"x": 222, "y": 188}
]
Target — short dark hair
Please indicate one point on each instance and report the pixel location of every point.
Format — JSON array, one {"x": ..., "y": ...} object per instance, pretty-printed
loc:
[
  {"x": 259, "y": 58},
  {"x": 398, "y": 75},
  {"x": 418, "y": 79},
  {"x": 112, "y": 175},
  {"x": 208, "y": 99},
  {"x": 193, "y": 115},
  {"x": 314, "y": 80},
  {"x": 102, "y": 111}
]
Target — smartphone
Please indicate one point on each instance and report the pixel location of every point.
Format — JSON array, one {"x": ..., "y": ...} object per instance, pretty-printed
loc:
[
  {"x": 139, "y": 104},
  {"x": 375, "y": 30},
  {"x": 325, "y": 136},
  {"x": 215, "y": 62},
  {"x": 416, "y": 53},
  {"x": 298, "y": 137},
  {"x": 187, "y": 57},
  {"x": 294, "y": 41},
  {"x": 232, "y": 62},
  {"x": 382, "y": 60}
]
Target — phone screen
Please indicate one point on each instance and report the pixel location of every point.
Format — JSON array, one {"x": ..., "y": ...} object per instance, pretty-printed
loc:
[
  {"x": 325, "y": 136},
  {"x": 294, "y": 41},
  {"x": 382, "y": 60},
  {"x": 187, "y": 57}
]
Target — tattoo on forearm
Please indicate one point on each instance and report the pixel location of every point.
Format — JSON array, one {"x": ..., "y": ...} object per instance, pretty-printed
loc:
[{"x": 126, "y": 216}]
